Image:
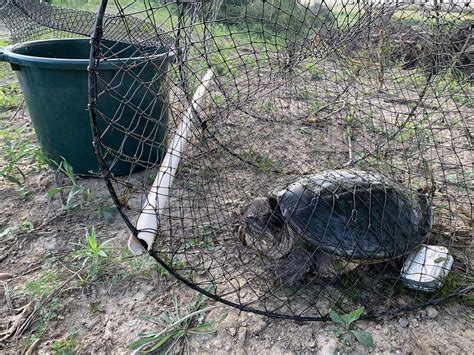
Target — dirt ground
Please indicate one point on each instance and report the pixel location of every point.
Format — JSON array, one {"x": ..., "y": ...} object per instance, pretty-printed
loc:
[
  {"x": 52, "y": 301},
  {"x": 108, "y": 314}
]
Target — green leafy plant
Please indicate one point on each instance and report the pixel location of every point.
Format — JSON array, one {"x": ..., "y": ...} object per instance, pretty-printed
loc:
[
  {"x": 10, "y": 96},
  {"x": 344, "y": 330},
  {"x": 178, "y": 325},
  {"x": 11, "y": 232},
  {"x": 93, "y": 256},
  {"x": 65, "y": 346},
  {"x": 77, "y": 195},
  {"x": 18, "y": 155}
]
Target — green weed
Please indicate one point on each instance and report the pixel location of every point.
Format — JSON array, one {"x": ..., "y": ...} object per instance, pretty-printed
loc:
[
  {"x": 316, "y": 72},
  {"x": 77, "y": 195},
  {"x": 263, "y": 163},
  {"x": 93, "y": 256},
  {"x": 44, "y": 317},
  {"x": 203, "y": 239},
  {"x": 10, "y": 96},
  {"x": 268, "y": 106},
  {"x": 39, "y": 290},
  {"x": 344, "y": 330},
  {"x": 11, "y": 232},
  {"x": 19, "y": 155},
  {"x": 65, "y": 346},
  {"x": 178, "y": 325},
  {"x": 134, "y": 265},
  {"x": 43, "y": 286}
]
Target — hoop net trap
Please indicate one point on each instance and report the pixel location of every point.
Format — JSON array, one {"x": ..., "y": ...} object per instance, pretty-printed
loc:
[{"x": 286, "y": 157}]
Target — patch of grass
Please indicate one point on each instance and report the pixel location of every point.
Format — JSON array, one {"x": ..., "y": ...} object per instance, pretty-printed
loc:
[
  {"x": 306, "y": 131},
  {"x": 131, "y": 266},
  {"x": 455, "y": 84},
  {"x": 177, "y": 326},
  {"x": 65, "y": 346},
  {"x": 269, "y": 106},
  {"x": 44, "y": 285},
  {"x": 39, "y": 290},
  {"x": 44, "y": 317},
  {"x": 77, "y": 195},
  {"x": 261, "y": 162},
  {"x": 11, "y": 232},
  {"x": 203, "y": 239},
  {"x": 10, "y": 96},
  {"x": 316, "y": 72},
  {"x": 345, "y": 332}
]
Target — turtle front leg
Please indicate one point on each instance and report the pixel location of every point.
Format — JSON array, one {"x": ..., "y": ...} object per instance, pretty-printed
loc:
[{"x": 294, "y": 267}]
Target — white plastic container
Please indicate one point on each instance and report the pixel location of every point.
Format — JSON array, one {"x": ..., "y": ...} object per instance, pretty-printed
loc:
[{"x": 426, "y": 268}]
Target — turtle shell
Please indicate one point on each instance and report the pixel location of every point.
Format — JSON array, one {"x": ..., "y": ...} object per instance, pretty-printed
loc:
[{"x": 358, "y": 215}]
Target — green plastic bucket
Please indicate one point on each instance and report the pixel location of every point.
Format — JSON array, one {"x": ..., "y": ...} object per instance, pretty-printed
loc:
[{"x": 132, "y": 117}]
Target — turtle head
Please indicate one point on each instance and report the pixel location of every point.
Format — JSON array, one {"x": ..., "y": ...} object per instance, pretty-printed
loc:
[
  {"x": 263, "y": 215},
  {"x": 264, "y": 229}
]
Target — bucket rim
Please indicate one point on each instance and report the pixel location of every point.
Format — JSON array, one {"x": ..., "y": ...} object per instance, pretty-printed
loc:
[{"x": 77, "y": 64}]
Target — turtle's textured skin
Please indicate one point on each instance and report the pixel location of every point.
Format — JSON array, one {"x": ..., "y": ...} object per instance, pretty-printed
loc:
[
  {"x": 318, "y": 221},
  {"x": 355, "y": 214},
  {"x": 264, "y": 230}
]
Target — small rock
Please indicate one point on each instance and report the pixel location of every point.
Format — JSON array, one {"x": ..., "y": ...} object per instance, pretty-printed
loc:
[
  {"x": 431, "y": 312},
  {"x": 242, "y": 336},
  {"x": 403, "y": 322},
  {"x": 232, "y": 331},
  {"x": 413, "y": 322},
  {"x": 330, "y": 347}
]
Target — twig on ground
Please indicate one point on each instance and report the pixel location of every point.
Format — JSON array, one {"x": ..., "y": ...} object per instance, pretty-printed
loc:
[
  {"x": 33, "y": 346},
  {"x": 16, "y": 321},
  {"x": 5, "y": 255},
  {"x": 18, "y": 109}
]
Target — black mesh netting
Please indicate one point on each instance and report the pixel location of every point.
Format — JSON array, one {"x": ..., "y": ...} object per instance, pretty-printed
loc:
[{"x": 287, "y": 157}]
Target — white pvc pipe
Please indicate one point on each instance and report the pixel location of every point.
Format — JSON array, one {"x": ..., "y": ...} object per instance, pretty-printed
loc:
[{"x": 158, "y": 197}]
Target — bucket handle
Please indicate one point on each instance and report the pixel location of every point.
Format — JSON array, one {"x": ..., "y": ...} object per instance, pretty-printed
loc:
[{"x": 3, "y": 56}]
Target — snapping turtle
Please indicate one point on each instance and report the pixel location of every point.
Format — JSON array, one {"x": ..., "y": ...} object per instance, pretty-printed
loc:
[{"x": 332, "y": 221}]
